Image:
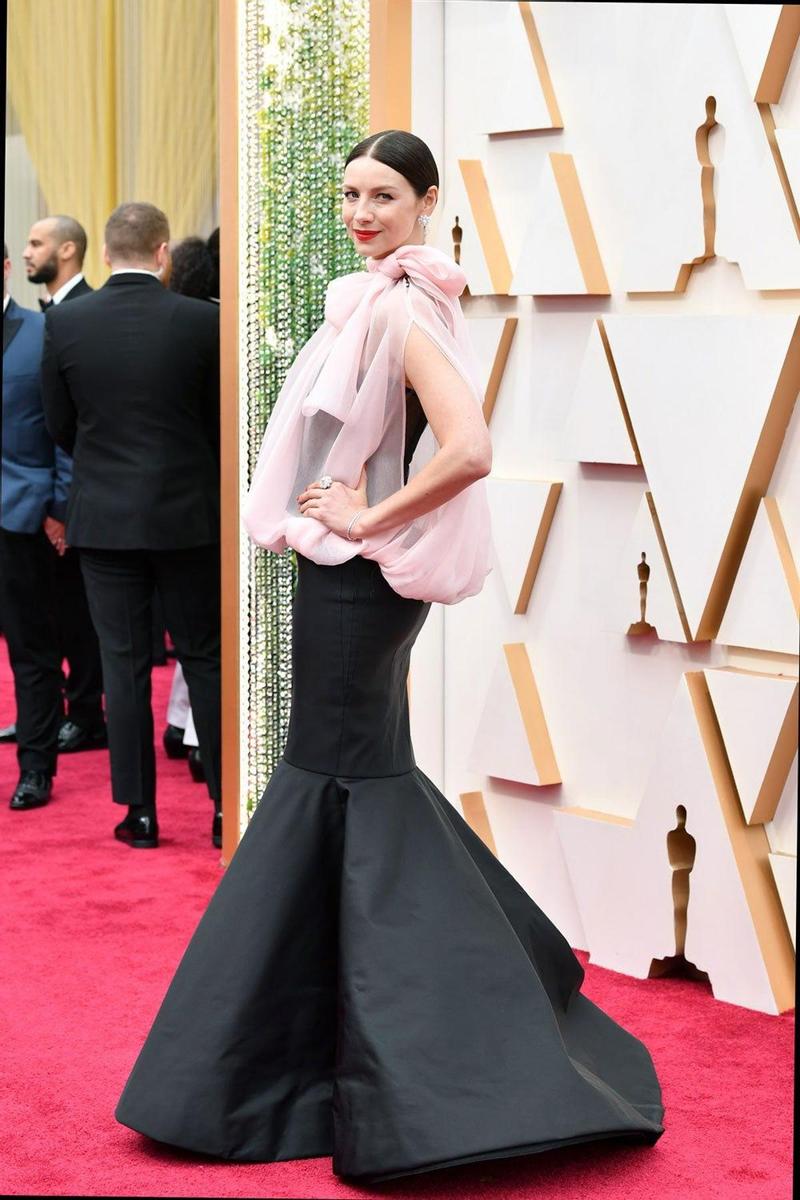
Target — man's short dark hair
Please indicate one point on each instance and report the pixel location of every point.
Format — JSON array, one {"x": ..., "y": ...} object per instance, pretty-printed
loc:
[
  {"x": 67, "y": 229},
  {"x": 135, "y": 230}
]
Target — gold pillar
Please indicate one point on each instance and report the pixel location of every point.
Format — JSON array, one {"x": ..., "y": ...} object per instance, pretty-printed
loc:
[
  {"x": 389, "y": 65},
  {"x": 229, "y": 418}
]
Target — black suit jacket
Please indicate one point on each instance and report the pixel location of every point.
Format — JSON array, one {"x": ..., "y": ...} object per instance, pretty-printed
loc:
[
  {"x": 82, "y": 288},
  {"x": 130, "y": 382}
]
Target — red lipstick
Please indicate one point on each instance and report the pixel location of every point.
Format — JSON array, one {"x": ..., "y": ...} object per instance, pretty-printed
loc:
[{"x": 366, "y": 235}]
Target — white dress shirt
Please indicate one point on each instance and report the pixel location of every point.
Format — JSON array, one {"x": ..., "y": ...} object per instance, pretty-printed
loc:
[{"x": 66, "y": 288}]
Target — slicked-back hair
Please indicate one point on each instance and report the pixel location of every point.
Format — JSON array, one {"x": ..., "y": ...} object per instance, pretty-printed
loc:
[
  {"x": 135, "y": 230},
  {"x": 67, "y": 229},
  {"x": 403, "y": 152}
]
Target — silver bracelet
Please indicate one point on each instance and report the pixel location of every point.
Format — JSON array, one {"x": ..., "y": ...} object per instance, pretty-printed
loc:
[{"x": 353, "y": 520}]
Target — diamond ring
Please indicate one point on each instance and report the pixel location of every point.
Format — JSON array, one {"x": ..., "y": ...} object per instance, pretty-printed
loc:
[{"x": 325, "y": 482}]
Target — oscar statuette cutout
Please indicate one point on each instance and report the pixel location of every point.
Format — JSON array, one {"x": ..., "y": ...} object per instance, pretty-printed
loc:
[
  {"x": 640, "y": 628},
  {"x": 682, "y": 851},
  {"x": 457, "y": 234}
]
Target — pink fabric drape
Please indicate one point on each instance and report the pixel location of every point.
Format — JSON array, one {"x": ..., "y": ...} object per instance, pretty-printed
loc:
[{"x": 343, "y": 405}]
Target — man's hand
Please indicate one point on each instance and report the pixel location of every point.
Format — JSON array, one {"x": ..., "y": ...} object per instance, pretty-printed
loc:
[{"x": 54, "y": 530}]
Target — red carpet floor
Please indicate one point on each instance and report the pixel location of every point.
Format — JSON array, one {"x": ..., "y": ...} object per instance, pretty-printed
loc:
[{"x": 92, "y": 931}]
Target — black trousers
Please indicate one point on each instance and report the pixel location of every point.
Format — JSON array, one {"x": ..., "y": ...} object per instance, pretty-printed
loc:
[
  {"x": 119, "y": 587},
  {"x": 28, "y": 598},
  {"x": 83, "y": 689}
]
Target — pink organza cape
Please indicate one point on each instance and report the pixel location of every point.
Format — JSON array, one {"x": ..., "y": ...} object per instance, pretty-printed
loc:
[{"x": 343, "y": 405}]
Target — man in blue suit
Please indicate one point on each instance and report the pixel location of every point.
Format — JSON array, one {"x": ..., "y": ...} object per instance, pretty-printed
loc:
[{"x": 34, "y": 484}]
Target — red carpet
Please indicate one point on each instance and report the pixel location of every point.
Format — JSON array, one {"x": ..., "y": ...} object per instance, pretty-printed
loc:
[{"x": 92, "y": 931}]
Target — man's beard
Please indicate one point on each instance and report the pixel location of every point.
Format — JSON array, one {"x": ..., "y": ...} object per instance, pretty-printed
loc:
[{"x": 46, "y": 273}]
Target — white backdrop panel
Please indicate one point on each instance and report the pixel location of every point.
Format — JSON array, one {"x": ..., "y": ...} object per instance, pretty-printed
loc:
[{"x": 631, "y": 82}]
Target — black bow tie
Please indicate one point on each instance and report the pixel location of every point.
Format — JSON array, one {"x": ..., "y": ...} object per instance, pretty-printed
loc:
[{"x": 45, "y": 304}]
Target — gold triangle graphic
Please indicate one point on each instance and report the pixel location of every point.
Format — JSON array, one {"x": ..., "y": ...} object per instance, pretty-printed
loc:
[
  {"x": 754, "y": 488},
  {"x": 532, "y": 713},
  {"x": 612, "y": 366},
  {"x": 784, "y": 550},
  {"x": 579, "y": 224},
  {"x": 537, "y": 550},
  {"x": 498, "y": 367},
  {"x": 480, "y": 201},
  {"x": 673, "y": 583},
  {"x": 782, "y": 756},
  {"x": 539, "y": 62},
  {"x": 780, "y": 55},
  {"x": 751, "y": 851},
  {"x": 477, "y": 818}
]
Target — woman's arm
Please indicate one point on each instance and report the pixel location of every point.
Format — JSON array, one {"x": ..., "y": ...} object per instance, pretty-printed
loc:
[{"x": 464, "y": 454}]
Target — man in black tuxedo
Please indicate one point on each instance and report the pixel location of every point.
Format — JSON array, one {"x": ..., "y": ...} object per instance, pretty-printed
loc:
[
  {"x": 54, "y": 257},
  {"x": 130, "y": 380}
]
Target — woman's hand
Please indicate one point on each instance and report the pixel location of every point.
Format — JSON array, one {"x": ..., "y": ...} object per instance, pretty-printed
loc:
[{"x": 335, "y": 506}]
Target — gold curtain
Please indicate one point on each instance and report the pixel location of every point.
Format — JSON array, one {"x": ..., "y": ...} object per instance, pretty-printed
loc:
[
  {"x": 175, "y": 122},
  {"x": 129, "y": 113},
  {"x": 62, "y": 82}
]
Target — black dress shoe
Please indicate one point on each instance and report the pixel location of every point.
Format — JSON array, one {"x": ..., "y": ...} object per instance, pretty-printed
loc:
[
  {"x": 173, "y": 742},
  {"x": 72, "y": 737},
  {"x": 139, "y": 832},
  {"x": 32, "y": 791},
  {"x": 196, "y": 768},
  {"x": 8, "y": 734},
  {"x": 216, "y": 828}
]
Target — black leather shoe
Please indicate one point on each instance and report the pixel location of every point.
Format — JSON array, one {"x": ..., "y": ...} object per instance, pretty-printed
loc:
[
  {"x": 216, "y": 827},
  {"x": 139, "y": 832},
  {"x": 8, "y": 734},
  {"x": 173, "y": 742},
  {"x": 32, "y": 791},
  {"x": 72, "y": 737},
  {"x": 196, "y": 768}
]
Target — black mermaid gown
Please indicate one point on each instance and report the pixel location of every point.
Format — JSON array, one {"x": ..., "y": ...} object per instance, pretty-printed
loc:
[{"x": 368, "y": 981}]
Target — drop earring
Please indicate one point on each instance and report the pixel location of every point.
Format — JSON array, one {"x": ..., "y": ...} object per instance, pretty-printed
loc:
[{"x": 424, "y": 221}]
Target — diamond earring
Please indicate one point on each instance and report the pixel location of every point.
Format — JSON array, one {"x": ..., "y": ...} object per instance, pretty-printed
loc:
[{"x": 424, "y": 221}]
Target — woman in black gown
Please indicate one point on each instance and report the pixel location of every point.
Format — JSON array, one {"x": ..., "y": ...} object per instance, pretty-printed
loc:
[{"x": 368, "y": 981}]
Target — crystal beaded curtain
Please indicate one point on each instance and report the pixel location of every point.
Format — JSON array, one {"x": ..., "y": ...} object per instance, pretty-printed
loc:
[{"x": 304, "y": 102}]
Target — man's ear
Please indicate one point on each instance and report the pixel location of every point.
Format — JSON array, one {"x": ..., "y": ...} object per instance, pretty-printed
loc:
[
  {"x": 106, "y": 259},
  {"x": 66, "y": 249}
]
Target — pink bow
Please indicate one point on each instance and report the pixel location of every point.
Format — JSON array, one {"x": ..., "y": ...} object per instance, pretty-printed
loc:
[{"x": 422, "y": 264}]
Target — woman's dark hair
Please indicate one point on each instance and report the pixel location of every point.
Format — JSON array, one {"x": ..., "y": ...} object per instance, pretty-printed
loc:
[
  {"x": 192, "y": 269},
  {"x": 403, "y": 152}
]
